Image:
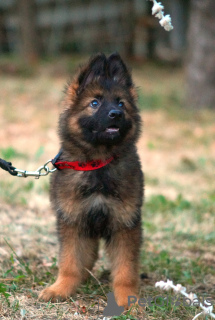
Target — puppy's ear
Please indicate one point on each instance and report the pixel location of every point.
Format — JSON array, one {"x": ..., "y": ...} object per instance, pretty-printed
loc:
[
  {"x": 93, "y": 71},
  {"x": 118, "y": 71}
]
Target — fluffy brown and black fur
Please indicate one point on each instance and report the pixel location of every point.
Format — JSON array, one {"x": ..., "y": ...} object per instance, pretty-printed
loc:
[{"x": 100, "y": 120}]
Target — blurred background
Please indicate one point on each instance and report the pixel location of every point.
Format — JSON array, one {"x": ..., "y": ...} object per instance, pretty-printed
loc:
[
  {"x": 46, "y": 27},
  {"x": 34, "y": 29},
  {"x": 42, "y": 43}
]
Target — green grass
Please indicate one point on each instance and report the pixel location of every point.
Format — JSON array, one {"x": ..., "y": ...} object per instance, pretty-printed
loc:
[
  {"x": 160, "y": 203},
  {"x": 158, "y": 263},
  {"x": 150, "y": 101},
  {"x": 20, "y": 193},
  {"x": 10, "y": 153}
]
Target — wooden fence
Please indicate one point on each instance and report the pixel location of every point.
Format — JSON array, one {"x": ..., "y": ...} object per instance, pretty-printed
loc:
[{"x": 92, "y": 25}]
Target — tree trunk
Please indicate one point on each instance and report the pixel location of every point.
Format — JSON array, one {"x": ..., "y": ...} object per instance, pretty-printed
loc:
[
  {"x": 129, "y": 48},
  {"x": 201, "y": 55},
  {"x": 179, "y": 10},
  {"x": 28, "y": 34}
]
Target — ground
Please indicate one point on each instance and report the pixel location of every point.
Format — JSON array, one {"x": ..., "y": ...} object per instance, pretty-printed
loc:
[{"x": 177, "y": 151}]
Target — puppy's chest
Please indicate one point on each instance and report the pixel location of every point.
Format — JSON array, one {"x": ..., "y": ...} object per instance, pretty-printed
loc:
[
  {"x": 100, "y": 182},
  {"x": 99, "y": 194}
]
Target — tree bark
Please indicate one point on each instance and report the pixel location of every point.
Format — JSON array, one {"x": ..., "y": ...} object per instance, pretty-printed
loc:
[
  {"x": 28, "y": 33},
  {"x": 129, "y": 49},
  {"x": 201, "y": 55}
]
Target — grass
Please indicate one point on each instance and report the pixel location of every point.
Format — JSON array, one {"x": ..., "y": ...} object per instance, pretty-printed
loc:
[
  {"x": 177, "y": 155},
  {"x": 10, "y": 153}
]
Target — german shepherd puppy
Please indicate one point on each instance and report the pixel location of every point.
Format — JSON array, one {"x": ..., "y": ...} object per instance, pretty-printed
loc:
[{"x": 100, "y": 122}]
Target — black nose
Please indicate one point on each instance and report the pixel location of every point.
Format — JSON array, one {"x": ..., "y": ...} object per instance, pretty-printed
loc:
[{"x": 115, "y": 114}]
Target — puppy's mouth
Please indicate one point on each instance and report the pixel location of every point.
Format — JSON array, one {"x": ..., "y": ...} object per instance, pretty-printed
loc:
[{"x": 112, "y": 129}]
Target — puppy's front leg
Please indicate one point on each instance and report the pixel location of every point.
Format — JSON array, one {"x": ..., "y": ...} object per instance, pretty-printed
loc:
[
  {"x": 76, "y": 253},
  {"x": 124, "y": 249}
]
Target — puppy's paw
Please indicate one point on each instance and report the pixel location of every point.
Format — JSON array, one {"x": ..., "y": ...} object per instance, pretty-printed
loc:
[
  {"x": 53, "y": 294},
  {"x": 126, "y": 297}
]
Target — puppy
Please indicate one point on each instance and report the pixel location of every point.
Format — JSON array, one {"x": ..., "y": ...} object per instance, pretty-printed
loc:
[{"x": 97, "y": 190}]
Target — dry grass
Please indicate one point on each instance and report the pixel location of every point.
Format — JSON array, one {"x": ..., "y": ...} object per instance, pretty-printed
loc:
[{"x": 177, "y": 151}]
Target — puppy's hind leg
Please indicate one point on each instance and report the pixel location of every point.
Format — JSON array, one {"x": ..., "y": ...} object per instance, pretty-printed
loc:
[{"x": 90, "y": 256}]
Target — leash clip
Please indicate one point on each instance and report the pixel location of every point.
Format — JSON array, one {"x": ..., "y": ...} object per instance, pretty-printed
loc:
[{"x": 38, "y": 173}]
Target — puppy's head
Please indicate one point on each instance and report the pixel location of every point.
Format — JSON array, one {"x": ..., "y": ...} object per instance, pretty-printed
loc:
[{"x": 100, "y": 105}]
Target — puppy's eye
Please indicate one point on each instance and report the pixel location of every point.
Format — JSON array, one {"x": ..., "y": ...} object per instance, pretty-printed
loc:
[
  {"x": 94, "y": 104},
  {"x": 120, "y": 104}
]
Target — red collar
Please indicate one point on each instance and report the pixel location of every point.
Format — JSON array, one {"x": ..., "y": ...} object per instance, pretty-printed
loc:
[{"x": 80, "y": 166}]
